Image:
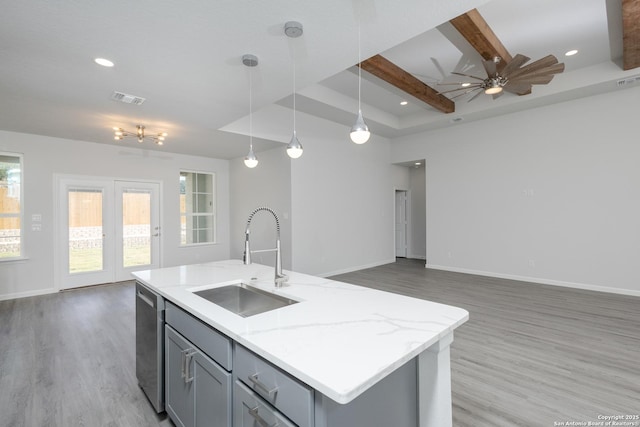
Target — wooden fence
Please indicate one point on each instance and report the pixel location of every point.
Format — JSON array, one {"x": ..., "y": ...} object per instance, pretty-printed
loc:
[{"x": 85, "y": 209}]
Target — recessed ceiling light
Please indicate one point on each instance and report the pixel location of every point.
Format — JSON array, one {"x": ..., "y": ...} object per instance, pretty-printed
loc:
[
  {"x": 465, "y": 84},
  {"x": 571, "y": 52},
  {"x": 417, "y": 163},
  {"x": 104, "y": 62},
  {"x": 403, "y": 103}
]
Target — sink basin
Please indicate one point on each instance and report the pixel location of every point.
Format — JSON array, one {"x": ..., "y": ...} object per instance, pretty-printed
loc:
[{"x": 244, "y": 300}]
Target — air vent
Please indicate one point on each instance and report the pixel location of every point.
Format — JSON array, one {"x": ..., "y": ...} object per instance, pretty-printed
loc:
[
  {"x": 629, "y": 81},
  {"x": 127, "y": 99}
]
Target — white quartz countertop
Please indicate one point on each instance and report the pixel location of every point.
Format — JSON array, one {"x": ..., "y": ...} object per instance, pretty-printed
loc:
[{"x": 340, "y": 339}]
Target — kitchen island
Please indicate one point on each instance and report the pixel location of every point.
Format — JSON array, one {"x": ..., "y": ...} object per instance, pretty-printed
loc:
[{"x": 353, "y": 347}]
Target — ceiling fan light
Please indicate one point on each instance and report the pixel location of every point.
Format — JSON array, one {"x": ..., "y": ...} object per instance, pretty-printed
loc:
[
  {"x": 360, "y": 131},
  {"x": 493, "y": 90},
  {"x": 294, "y": 148},
  {"x": 251, "y": 161}
]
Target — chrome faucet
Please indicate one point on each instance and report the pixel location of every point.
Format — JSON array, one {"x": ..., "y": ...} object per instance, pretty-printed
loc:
[{"x": 279, "y": 277}]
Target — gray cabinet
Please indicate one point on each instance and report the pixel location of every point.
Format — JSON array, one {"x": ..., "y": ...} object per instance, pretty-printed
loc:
[
  {"x": 250, "y": 410},
  {"x": 278, "y": 391},
  {"x": 202, "y": 389},
  {"x": 197, "y": 388}
]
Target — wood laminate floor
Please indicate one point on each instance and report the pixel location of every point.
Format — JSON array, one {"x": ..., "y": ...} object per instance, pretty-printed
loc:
[{"x": 530, "y": 355}]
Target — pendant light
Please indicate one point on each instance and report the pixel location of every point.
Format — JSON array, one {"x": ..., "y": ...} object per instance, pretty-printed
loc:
[
  {"x": 360, "y": 131},
  {"x": 294, "y": 149},
  {"x": 250, "y": 161}
]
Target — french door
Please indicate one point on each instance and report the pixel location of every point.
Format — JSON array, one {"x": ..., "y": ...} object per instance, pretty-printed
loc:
[{"x": 108, "y": 229}]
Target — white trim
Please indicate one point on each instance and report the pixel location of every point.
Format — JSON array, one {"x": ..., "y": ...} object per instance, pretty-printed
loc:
[
  {"x": 360, "y": 267},
  {"x": 26, "y": 294},
  {"x": 583, "y": 286}
]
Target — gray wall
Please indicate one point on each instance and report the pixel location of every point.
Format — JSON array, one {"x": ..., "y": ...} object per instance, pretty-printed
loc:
[
  {"x": 46, "y": 156},
  {"x": 550, "y": 194}
]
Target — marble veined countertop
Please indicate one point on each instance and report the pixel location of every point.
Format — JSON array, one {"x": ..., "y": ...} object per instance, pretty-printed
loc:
[{"x": 340, "y": 338}]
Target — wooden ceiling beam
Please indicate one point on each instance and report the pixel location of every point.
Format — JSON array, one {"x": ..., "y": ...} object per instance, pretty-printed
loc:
[
  {"x": 630, "y": 34},
  {"x": 476, "y": 31},
  {"x": 396, "y": 76}
]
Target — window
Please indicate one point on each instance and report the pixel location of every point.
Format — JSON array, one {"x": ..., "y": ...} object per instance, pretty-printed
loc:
[
  {"x": 197, "y": 222},
  {"x": 10, "y": 206}
]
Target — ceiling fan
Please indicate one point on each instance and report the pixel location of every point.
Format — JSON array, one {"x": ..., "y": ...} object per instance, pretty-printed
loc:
[{"x": 513, "y": 77}]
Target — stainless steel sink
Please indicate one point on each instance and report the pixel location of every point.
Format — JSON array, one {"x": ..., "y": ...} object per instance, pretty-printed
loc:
[{"x": 244, "y": 300}]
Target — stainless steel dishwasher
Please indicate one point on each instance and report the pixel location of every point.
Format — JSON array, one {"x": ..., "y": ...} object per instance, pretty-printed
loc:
[{"x": 150, "y": 345}]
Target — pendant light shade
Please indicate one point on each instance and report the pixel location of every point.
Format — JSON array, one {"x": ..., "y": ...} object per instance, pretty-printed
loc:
[
  {"x": 294, "y": 148},
  {"x": 251, "y": 161},
  {"x": 360, "y": 131}
]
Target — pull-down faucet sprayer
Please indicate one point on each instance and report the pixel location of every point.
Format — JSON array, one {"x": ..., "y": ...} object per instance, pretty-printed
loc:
[{"x": 279, "y": 277}]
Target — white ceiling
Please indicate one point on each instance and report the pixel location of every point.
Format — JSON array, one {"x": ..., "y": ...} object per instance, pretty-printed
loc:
[{"x": 185, "y": 59}]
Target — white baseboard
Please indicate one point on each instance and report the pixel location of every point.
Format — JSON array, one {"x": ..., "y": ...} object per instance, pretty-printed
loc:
[
  {"x": 27, "y": 294},
  {"x": 584, "y": 286},
  {"x": 360, "y": 267}
]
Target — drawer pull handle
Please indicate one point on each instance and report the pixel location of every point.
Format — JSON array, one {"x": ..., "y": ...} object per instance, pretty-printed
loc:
[
  {"x": 254, "y": 413},
  {"x": 258, "y": 384}
]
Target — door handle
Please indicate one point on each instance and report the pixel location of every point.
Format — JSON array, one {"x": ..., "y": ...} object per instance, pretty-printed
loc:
[{"x": 146, "y": 299}]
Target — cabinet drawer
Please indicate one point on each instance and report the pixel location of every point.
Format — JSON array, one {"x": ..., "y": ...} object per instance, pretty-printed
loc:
[
  {"x": 292, "y": 397},
  {"x": 210, "y": 341},
  {"x": 250, "y": 410}
]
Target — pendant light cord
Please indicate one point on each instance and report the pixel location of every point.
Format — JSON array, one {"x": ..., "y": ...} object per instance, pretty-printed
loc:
[
  {"x": 250, "y": 109},
  {"x": 359, "y": 68},
  {"x": 293, "y": 55}
]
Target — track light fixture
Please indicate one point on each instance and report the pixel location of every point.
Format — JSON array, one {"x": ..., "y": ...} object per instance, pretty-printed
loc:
[{"x": 158, "y": 138}]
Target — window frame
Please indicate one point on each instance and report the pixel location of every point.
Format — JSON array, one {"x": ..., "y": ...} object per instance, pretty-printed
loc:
[
  {"x": 20, "y": 215},
  {"x": 189, "y": 217}
]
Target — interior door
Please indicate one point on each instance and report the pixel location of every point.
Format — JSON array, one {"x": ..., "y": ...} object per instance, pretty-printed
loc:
[
  {"x": 137, "y": 231},
  {"x": 86, "y": 229},
  {"x": 401, "y": 223}
]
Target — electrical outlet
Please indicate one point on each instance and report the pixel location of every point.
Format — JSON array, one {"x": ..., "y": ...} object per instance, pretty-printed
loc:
[{"x": 532, "y": 263}]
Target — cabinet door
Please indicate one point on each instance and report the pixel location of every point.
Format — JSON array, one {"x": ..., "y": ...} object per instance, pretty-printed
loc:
[
  {"x": 178, "y": 392},
  {"x": 212, "y": 392}
]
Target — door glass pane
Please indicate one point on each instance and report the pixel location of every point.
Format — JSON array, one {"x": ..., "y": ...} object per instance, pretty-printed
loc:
[
  {"x": 85, "y": 230},
  {"x": 136, "y": 227},
  {"x": 10, "y": 206}
]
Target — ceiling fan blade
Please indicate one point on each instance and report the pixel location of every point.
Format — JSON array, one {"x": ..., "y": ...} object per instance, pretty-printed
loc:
[
  {"x": 514, "y": 64},
  {"x": 538, "y": 65},
  {"x": 436, "y": 63},
  {"x": 542, "y": 79},
  {"x": 465, "y": 92},
  {"x": 467, "y": 88},
  {"x": 467, "y": 75},
  {"x": 518, "y": 88},
  {"x": 490, "y": 67},
  {"x": 553, "y": 69},
  {"x": 475, "y": 96},
  {"x": 455, "y": 83}
]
